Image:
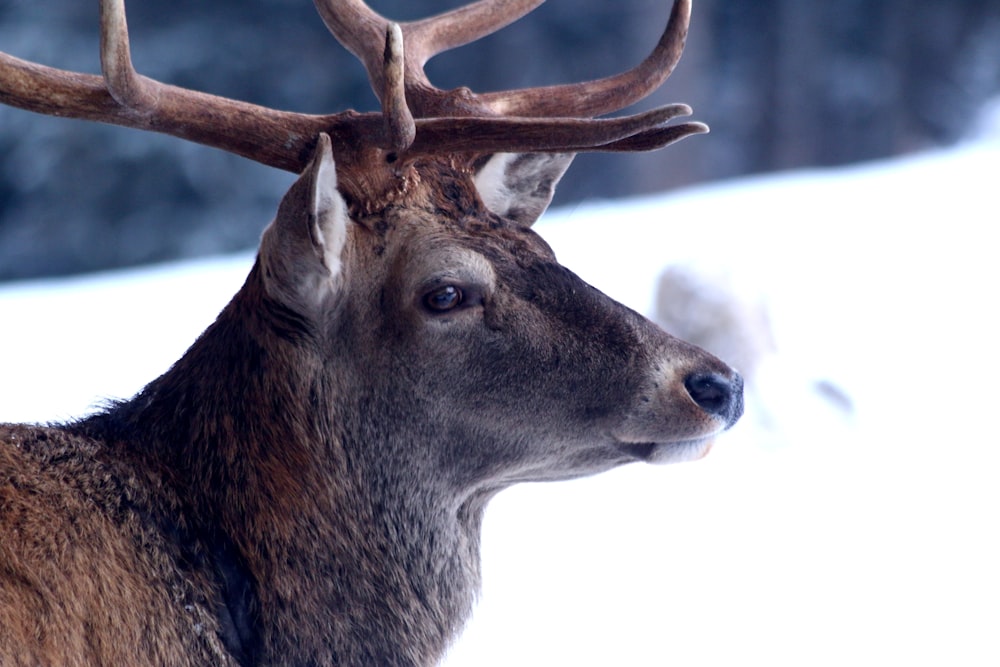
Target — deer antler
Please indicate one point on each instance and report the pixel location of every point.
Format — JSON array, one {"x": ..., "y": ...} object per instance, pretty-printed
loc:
[
  {"x": 353, "y": 23},
  {"x": 416, "y": 117}
]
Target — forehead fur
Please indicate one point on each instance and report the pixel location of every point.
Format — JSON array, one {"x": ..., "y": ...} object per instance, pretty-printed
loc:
[
  {"x": 429, "y": 182},
  {"x": 440, "y": 205}
]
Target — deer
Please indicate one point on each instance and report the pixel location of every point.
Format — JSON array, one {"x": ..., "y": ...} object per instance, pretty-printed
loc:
[{"x": 307, "y": 484}]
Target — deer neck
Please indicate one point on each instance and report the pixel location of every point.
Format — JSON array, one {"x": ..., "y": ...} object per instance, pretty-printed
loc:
[{"x": 328, "y": 547}]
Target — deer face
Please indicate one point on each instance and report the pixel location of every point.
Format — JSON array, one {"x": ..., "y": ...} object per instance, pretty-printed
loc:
[{"x": 457, "y": 326}]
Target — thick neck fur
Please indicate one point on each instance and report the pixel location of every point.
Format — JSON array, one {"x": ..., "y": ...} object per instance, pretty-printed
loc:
[{"x": 332, "y": 544}]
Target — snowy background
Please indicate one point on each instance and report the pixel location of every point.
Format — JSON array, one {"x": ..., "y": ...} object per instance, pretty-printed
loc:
[{"x": 850, "y": 518}]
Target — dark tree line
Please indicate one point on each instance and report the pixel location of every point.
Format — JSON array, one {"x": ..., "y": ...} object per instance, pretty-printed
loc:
[
  {"x": 783, "y": 83},
  {"x": 831, "y": 83}
]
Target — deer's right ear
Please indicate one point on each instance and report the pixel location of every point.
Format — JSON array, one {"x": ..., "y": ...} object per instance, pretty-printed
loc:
[{"x": 301, "y": 251}]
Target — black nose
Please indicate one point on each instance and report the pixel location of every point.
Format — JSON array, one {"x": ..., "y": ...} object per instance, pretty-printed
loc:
[{"x": 717, "y": 394}]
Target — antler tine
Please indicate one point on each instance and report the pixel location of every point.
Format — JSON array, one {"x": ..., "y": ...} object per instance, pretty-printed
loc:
[
  {"x": 640, "y": 132},
  {"x": 360, "y": 30},
  {"x": 602, "y": 96},
  {"x": 433, "y": 35},
  {"x": 651, "y": 140},
  {"x": 123, "y": 82},
  {"x": 400, "y": 129}
]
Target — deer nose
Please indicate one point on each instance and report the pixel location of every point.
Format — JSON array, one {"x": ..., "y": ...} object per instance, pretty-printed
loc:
[{"x": 717, "y": 394}]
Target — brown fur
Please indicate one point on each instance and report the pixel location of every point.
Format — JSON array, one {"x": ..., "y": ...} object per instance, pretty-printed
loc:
[{"x": 84, "y": 578}]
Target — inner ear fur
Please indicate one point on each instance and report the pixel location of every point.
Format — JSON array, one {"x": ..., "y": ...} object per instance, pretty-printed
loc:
[
  {"x": 301, "y": 249},
  {"x": 520, "y": 186}
]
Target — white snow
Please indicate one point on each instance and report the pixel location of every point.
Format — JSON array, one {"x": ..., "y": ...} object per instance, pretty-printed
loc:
[{"x": 810, "y": 535}]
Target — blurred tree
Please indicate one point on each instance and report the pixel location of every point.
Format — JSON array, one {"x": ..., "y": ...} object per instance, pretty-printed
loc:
[{"x": 829, "y": 83}]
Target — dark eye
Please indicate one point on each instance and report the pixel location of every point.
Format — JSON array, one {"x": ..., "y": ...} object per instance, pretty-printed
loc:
[{"x": 443, "y": 298}]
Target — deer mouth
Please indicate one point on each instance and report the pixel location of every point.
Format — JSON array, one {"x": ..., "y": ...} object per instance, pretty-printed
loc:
[{"x": 667, "y": 452}]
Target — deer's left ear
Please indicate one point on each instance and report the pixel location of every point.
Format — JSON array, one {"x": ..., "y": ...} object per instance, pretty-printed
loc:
[
  {"x": 301, "y": 251},
  {"x": 519, "y": 186}
]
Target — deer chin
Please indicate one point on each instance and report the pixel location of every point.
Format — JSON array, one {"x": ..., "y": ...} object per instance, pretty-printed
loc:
[{"x": 662, "y": 453}]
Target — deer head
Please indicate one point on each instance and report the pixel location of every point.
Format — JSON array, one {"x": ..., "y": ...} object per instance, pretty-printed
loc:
[
  {"x": 405, "y": 345},
  {"x": 460, "y": 313}
]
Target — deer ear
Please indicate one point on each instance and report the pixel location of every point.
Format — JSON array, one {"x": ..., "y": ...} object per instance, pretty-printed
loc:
[
  {"x": 301, "y": 251},
  {"x": 519, "y": 186}
]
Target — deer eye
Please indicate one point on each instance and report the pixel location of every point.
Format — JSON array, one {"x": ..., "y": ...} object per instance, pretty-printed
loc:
[{"x": 443, "y": 299}]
